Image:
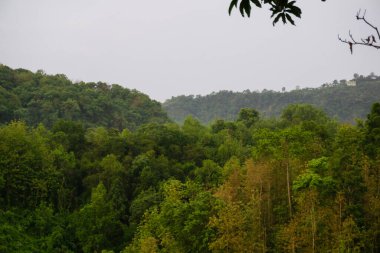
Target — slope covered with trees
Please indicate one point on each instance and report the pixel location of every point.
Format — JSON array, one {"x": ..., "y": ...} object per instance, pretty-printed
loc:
[
  {"x": 39, "y": 98},
  {"x": 72, "y": 181},
  {"x": 298, "y": 183},
  {"x": 346, "y": 103}
]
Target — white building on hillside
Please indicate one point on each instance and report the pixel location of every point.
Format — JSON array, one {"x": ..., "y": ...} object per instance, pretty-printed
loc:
[{"x": 351, "y": 83}]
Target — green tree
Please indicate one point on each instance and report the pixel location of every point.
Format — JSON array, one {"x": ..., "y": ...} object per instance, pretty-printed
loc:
[
  {"x": 347, "y": 166},
  {"x": 97, "y": 226},
  {"x": 310, "y": 228},
  {"x": 179, "y": 223},
  {"x": 209, "y": 175},
  {"x": 71, "y": 135},
  {"x": 248, "y": 116},
  {"x": 372, "y": 176},
  {"x": 27, "y": 172},
  {"x": 372, "y": 131}
]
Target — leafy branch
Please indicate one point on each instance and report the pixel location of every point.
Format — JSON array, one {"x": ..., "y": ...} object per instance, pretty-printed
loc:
[
  {"x": 370, "y": 41},
  {"x": 281, "y": 9}
]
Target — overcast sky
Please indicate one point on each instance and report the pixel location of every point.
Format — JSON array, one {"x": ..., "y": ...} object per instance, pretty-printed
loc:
[{"x": 166, "y": 48}]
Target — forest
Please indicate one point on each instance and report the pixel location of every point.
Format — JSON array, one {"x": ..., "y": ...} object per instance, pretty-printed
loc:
[
  {"x": 40, "y": 98},
  {"x": 345, "y": 103},
  {"x": 114, "y": 174}
]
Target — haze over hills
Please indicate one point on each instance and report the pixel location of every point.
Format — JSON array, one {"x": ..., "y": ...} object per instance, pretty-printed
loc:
[
  {"x": 41, "y": 98},
  {"x": 91, "y": 166},
  {"x": 345, "y": 102}
]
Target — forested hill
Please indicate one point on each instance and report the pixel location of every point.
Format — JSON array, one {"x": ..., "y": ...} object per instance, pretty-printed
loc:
[
  {"x": 302, "y": 182},
  {"x": 40, "y": 98},
  {"x": 346, "y": 103}
]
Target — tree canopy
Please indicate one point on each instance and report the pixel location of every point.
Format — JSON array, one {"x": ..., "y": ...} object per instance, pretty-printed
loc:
[
  {"x": 41, "y": 98},
  {"x": 337, "y": 99},
  {"x": 300, "y": 182}
]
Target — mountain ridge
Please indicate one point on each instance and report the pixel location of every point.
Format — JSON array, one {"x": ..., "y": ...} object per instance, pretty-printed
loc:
[{"x": 339, "y": 100}]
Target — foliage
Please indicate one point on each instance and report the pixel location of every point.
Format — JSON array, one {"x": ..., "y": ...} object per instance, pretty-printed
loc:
[
  {"x": 40, "y": 98},
  {"x": 298, "y": 183},
  {"x": 345, "y": 103},
  {"x": 281, "y": 10}
]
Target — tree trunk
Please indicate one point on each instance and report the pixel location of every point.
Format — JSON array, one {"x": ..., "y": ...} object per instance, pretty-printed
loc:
[{"x": 288, "y": 186}]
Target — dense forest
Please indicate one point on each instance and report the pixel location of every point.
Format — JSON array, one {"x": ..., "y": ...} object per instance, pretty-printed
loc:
[
  {"x": 346, "y": 103},
  {"x": 40, "y": 98},
  {"x": 301, "y": 182}
]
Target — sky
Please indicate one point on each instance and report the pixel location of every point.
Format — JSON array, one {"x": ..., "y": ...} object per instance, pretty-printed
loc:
[{"x": 167, "y": 48}]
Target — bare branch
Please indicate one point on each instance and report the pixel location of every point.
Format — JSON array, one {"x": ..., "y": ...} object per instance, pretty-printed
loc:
[
  {"x": 358, "y": 17},
  {"x": 352, "y": 38},
  {"x": 370, "y": 41}
]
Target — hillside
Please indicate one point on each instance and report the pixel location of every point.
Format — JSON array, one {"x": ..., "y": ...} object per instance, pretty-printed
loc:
[
  {"x": 40, "y": 98},
  {"x": 302, "y": 182},
  {"x": 346, "y": 103}
]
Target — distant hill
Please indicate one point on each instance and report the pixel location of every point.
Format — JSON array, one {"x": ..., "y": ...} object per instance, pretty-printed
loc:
[
  {"x": 41, "y": 98},
  {"x": 339, "y": 100}
]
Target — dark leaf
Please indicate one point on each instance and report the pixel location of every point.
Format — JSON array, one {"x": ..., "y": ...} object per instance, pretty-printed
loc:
[
  {"x": 289, "y": 18},
  {"x": 245, "y": 7},
  {"x": 296, "y": 11},
  {"x": 274, "y": 11},
  {"x": 241, "y": 8},
  {"x": 232, "y": 5},
  {"x": 277, "y": 19},
  {"x": 283, "y": 18},
  {"x": 257, "y": 3}
]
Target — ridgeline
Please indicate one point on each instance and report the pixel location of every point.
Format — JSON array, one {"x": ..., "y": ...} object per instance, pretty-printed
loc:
[
  {"x": 40, "y": 98},
  {"x": 73, "y": 179},
  {"x": 339, "y": 100}
]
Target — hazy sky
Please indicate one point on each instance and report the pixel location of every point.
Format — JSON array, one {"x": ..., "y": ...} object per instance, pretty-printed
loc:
[{"x": 166, "y": 48}]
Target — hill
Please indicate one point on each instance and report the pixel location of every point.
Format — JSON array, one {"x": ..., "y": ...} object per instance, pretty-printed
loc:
[
  {"x": 299, "y": 183},
  {"x": 40, "y": 98},
  {"x": 346, "y": 103}
]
